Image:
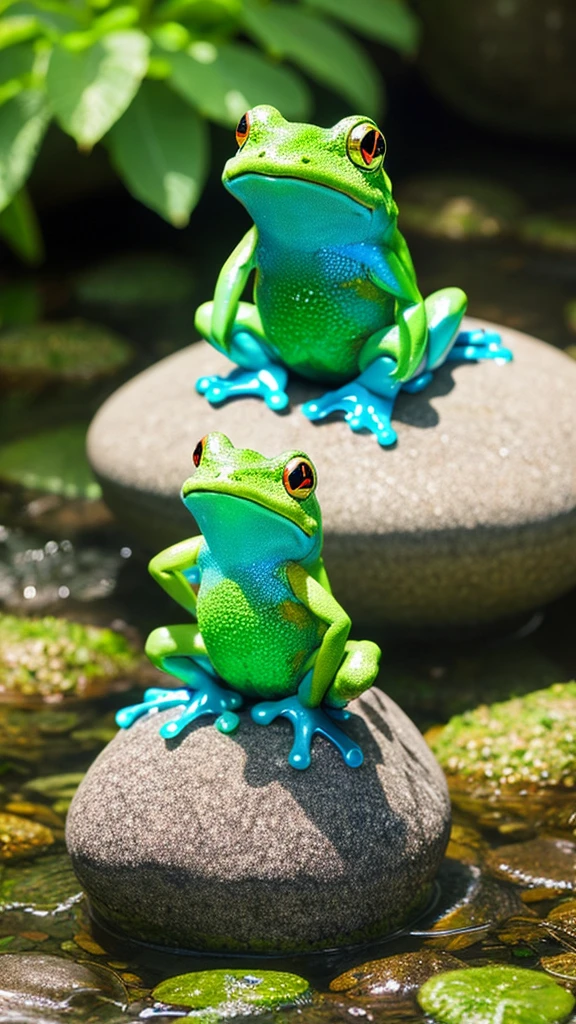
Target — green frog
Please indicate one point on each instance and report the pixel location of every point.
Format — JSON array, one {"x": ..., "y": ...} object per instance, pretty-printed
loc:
[
  {"x": 268, "y": 627},
  {"x": 335, "y": 292}
]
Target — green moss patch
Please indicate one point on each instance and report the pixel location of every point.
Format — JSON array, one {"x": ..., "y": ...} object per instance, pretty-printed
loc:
[
  {"x": 53, "y": 658},
  {"x": 526, "y": 741},
  {"x": 485, "y": 995},
  {"x": 53, "y": 461},
  {"x": 72, "y": 350}
]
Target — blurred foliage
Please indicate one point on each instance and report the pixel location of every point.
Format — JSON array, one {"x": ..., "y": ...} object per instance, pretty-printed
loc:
[{"x": 145, "y": 76}]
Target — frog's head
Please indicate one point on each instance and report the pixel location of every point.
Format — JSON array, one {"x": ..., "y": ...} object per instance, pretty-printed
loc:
[
  {"x": 298, "y": 180},
  {"x": 251, "y": 506}
]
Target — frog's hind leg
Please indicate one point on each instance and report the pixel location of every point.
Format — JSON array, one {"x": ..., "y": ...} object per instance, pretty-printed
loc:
[
  {"x": 256, "y": 372},
  {"x": 444, "y": 312},
  {"x": 180, "y": 651},
  {"x": 358, "y": 670}
]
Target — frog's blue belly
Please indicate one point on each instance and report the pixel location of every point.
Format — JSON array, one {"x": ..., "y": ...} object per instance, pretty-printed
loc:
[
  {"x": 257, "y": 636},
  {"x": 318, "y": 308}
]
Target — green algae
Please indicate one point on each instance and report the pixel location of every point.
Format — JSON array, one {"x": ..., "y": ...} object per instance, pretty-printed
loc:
[
  {"x": 73, "y": 350},
  {"x": 484, "y": 995},
  {"x": 232, "y": 992},
  {"x": 53, "y": 461},
  {"x": 53, "y": 658},
  {"x": 527, "y": 741}
]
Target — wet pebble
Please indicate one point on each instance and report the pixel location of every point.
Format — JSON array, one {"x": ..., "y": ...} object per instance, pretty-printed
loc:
[
  {"x": 543, "y": 864},
  {"x": 20, "y": 837},
  {"x": 54, "y": 983},
  {"x": 395, "y": 976}
]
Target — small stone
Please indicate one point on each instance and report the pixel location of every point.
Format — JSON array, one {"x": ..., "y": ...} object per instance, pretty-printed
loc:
[
  {"x": 485, "y": 995},
  {"x": 455, "y": 535},
  {"x": 396, "y": 977},
  {"x": 44, "y": 982},
  {"x": 544, "y": 863},
  {"x": 273, "y": 859},
  {"x": 20, "y": 838},
  {"x": 230, "y": 992}
]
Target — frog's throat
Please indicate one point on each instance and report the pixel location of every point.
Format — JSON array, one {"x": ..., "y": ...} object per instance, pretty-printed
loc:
[
  {"x": 241, "y": 530},
  {"x": 229, "y": 179}
]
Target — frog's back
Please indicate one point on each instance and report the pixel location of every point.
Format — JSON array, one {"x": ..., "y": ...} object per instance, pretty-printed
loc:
[
  {"x": 257, "y": 635},
  {"x": 318, "y": 308}
]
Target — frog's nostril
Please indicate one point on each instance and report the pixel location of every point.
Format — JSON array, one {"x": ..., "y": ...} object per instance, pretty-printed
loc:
[
  {"x": 305, "y": 159},
  {"x": 262, "y": 152}
]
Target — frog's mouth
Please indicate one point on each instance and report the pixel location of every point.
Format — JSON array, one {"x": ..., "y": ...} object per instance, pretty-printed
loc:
[
  {"x": 231, "y": 180},
  {"x": 192, "y": 490}
]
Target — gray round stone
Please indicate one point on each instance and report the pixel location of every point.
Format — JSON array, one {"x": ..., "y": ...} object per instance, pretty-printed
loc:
[
  {"x": 216, "y": 843},
  {"x": 470, "y": 518},
  {"x": 47, "y": 982}
]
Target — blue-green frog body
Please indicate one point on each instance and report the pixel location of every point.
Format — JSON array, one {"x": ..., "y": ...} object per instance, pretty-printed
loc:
[
  {"x": 335, "y": 292},
  {"x": 268, "y": 627}
]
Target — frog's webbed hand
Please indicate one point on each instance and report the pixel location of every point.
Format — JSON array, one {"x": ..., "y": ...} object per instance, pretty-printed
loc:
[
  {"x": 180, "y": 651},
  {"x": 235, "y": 329},
  {"x": 304, "y": 710}
]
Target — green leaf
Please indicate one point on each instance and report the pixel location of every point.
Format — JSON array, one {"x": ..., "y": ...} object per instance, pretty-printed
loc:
[
  {"x": 23, "y": 121},
  {"x": 17, "y": 62},
  {"x": 390, "y": 21},
  {"x": 326, "y": 52},
  {"x": 20, "y": 229},
  {"x": 54, "y": 17},
  {"x": 160, "y": 148},
  {"x": 484, "y": 995},
  {"x": 53, "y": 461},
  {"x": 223, "y": 82},
  {"x": 17, "y": 29},
  {"x": 91, "y": 89}
]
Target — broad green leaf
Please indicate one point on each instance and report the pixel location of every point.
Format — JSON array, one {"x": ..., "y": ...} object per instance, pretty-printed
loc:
[
  {"x": 20, "y": 229},
  {"x": 225, "y": 81},
  {"x": 17, "y": 29},
  {"x": 160, "y": 148},
  {"x": 390, "y": 21},
  {"x": 17, "y": 62},
  {"x": 115, "y": 19},
  {"x": 53, "y": 461},
  {"x": 54, "y": 17},
  {"x": 23, "y": 121},
  {"x": 326, "y": 52},
  {"x": 198, "y": 12},
  {"x": 90, "y": 90}
]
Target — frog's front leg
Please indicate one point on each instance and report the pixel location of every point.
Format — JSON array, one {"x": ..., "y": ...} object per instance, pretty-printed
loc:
[
  {"x": 338, "y": 671},
  {"x": 180, "y": 651},
  {"x": 256, "y": 373},
  {"x": 368, "y": 401}
]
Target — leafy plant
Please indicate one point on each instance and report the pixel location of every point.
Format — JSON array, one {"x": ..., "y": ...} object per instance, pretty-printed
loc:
[{"x": 144, "y": 77}]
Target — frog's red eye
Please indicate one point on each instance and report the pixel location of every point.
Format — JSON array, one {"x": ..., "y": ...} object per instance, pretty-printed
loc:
[
  {"x": 198, "y": 452},
  {"x": 299, "y": 478},
  {"x": 243, "y": 129},
  {"x": 366, "y": 146}
]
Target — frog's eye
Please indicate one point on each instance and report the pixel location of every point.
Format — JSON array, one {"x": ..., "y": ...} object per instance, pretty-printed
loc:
[
  {"x": 243, "y": 129},
  {"x": 198, "y": 452},
  {"x": 366, "y": 146},
  {"x": 299, "y": 478}
]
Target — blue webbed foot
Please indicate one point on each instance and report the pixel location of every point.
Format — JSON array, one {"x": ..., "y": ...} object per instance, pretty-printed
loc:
[
  {"x": 207, "y": 699},
  {"x": 417, "y": 384},
  {"x": 268, "y": 383},
  {"x": 307, "y": 722},
  {"x": 362, "y": 410},
  {"x": 471, "y": 346}
]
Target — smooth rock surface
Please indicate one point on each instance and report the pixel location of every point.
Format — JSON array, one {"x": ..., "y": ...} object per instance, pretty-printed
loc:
[
  {"x": 215, "y": 842},
  {"x": 51, "y": 982},
  {"x": 470, "y": 518}
]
